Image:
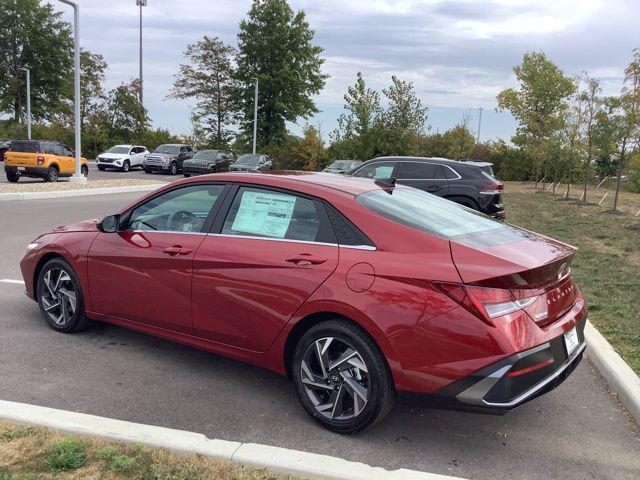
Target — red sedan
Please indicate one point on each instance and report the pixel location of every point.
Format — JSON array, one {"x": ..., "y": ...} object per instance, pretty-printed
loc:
[{"x": 355, "y": 289}]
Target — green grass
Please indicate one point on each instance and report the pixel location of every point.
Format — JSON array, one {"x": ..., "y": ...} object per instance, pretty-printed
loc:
[
  {"x": 67, "y": 454},
  {"x": 607, "y": 266}
]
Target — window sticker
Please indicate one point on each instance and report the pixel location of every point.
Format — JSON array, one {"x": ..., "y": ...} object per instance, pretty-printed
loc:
[{"x": 264, "y": 213}]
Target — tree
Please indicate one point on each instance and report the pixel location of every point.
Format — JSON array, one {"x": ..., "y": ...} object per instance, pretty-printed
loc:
[
  {"x": 33, "y": 36},
  {"x": 126, "y": 117},
  {"x": 459, "y": 140},
  {"x": 629, "y": 116},
  {"x": 275, "y": 46},
  {"x": 574, "y": 120},
  {"x": 310, "y": 151},
  {"x": 537, "y": 103},
  {"x": 593, "y": 105},
  {"x": 209, "y": 79}
]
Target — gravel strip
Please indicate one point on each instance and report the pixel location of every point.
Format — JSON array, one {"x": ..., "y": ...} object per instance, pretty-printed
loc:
[{"x": 54, "y": 187}]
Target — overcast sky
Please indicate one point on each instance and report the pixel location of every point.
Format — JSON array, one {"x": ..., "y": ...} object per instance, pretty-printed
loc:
[{"x": 458, "y": 54}]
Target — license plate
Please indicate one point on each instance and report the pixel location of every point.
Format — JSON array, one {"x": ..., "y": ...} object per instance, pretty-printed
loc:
[
  {"x": 571, "y": 341},
  {"x": 21, "y": 169}
]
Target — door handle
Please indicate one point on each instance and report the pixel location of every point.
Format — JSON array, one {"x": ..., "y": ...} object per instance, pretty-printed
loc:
[
  {"x": 177, "y": 250},
  {"x": 306, "y": 259}
]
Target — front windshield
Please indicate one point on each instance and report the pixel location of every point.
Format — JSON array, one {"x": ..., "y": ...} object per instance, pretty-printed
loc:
[
  {"x": 124, "y": 150},
  {"x": 420, "y": 210},
  {"x": 249, "y": 159},
  {"x": 206, "y": 155},
  {"x": 170, "y": 149}
]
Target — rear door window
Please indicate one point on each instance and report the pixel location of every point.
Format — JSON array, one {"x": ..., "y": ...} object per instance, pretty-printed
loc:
[
  {"x": 419, "y": 171},
  {"x": 449, "y": 173},
  {"x": 272, "y": 214},
  {"x": 26, "y": 147}
]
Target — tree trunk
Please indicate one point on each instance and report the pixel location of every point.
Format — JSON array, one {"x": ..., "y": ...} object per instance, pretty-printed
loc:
[
  {"x": 619, "y": 177},
  {"x": 586, "y": 170}
]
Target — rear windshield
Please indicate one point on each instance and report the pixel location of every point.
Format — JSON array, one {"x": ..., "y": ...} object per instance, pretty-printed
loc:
[
  {"x": 437, "y": 216},
  {"x": 30, "y": 147}
]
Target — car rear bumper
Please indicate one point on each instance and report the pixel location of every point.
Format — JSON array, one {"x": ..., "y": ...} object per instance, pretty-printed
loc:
[
  {"x": 35, "y": 172},
  {"x": 514, "y": 380}
]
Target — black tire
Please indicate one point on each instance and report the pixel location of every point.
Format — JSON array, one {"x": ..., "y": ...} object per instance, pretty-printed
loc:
[
  {"x": 126, "y": 166},
  {"x": 13, "y": 177},
  {"x": 84, "y": 170},
  {"x": 52, "y": 174},
  {"x": 378, "y": 383},
  {"x": 173, "y": 168},
  {"x": 187, "y": 175},
  {"x": 146, "y": 170},
  {"x": 101, "y": 168},
  {"x": 71, "y": 322},
  {"x": 465, "y": 202}
]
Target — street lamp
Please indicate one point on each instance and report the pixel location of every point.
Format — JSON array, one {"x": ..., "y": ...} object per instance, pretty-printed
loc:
[
  {"x": 77, "y": 177},
  {"x": 28, "y": 102},
  {"x": 255, "y": 117},
  {"x": 141, "y": 3}
]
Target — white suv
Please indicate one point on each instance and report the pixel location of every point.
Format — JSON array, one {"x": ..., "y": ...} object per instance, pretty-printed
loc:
[{"x": 122, "y": 157}]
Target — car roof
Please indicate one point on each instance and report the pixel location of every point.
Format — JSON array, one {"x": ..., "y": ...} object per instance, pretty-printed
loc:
[
  {"x": 446, "y": 161},
  {"x": 478, "y": 163},
  {"x": 125, "y": 145}
]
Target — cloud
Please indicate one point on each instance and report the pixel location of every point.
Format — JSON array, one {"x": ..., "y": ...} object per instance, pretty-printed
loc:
[{"x": 459, "y": 54}]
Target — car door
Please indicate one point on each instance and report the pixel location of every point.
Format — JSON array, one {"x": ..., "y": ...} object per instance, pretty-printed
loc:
[
  {"x": 65, "y": 159},
  {"x": 261, "y": 262},
  {"x": 135, "y": 158},
  {"x": 143, "y": 272},
  {"x": 377, "y": 170},
  {"x": 425, "y": 176}
]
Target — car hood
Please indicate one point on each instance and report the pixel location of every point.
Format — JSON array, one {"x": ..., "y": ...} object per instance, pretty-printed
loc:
[
  {"x": 84, "y": 226},
  {"x": 113, "y": 155},
  {"x": 517, "y": 257},
  {"x": 195, "y": 161}
]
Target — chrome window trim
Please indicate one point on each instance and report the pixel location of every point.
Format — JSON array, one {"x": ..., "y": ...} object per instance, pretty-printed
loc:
[
  {"x": 287, "y": 240},
  {"x": 201, "y": 234}
]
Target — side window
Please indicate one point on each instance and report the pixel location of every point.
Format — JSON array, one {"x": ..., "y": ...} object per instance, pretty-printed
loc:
[
  {"x": 448, "y": 172},
  {"x": 376, "y": 170},
  {"x": 265, "y": 213},
  {"x": 180, "y": 210},
  {"x": 419, "y": 171}
]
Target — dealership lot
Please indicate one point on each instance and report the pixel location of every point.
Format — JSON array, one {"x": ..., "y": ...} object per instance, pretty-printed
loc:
[{"x": 576, "y": 431}]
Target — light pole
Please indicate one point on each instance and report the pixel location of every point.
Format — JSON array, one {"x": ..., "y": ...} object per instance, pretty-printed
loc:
[
  {"x": 141, "y": 3},
  {"x": 255, "y": 117},
  {"x": 28, "y": 102},
  {"x": 77, "y": 177},
  {"x": 479, "y": 124}
]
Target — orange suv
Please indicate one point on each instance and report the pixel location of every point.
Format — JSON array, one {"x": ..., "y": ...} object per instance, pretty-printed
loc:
[{"x": 44, "y": 159}]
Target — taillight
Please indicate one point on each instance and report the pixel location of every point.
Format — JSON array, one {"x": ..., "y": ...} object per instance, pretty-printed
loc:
[
  {"x": 492, "y": 189},
  {"x": 40, "y": 160},
  {"x": 488, "y": 303}
]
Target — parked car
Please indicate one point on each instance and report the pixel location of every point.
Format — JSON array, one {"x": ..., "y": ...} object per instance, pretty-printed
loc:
[
  {"x": 208, "y": 161},
  {"x": 4, "y": 146},
  {"x": 251, "y": 163},
  {"x": 168, "y": 158},
  {"x": 122, "y": 157},
  {"x": 459, "y": 182},
  {"x": 44, "y": 159},
  {"x": 486, "y": 167},
  {"x": 342, "y": 166},
  {"x": 355, "y": 289}
]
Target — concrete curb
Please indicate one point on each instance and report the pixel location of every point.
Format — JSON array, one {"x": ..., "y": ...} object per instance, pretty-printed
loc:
[
  {"x": 615, "y": 370},
  {"x": 77, "y": 193},
  {"x": 293, "y": 462}
]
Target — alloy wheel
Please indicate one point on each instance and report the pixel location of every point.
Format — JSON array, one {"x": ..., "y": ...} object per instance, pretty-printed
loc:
[
  {"x": 59, "y": 297},
  {"x": 335, "y": 378}
]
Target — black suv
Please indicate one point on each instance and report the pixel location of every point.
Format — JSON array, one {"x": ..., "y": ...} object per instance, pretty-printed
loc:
[
  {"x": 207, "y": 161},
  {"x": 460, "y": 182}
]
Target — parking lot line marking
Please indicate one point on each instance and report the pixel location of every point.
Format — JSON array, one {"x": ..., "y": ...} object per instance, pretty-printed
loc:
[{"x": 9, "y": 280}]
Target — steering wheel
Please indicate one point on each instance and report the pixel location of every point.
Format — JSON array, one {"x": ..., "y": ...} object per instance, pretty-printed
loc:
[{"x": 177, "y": 219}]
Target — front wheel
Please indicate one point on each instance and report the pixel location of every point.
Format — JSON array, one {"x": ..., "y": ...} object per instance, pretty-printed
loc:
[
  {"x": 60, "y": 297},
  {"x": 341, "y": 376},
  {"x": 173, "y": 168},
  {"x": 126, "y": 166},
  {"x": 187, "y": 175},
  {"x": 101, "y": 168}
]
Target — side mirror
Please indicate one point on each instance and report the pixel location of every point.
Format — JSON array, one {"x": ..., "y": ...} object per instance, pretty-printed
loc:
[{"x": 109, "y": 224}]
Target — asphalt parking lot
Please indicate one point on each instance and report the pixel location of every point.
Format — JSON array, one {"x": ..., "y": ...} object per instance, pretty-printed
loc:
[
  {"x": 578, "y": 431},
  {"x": 95, "y": 174}
]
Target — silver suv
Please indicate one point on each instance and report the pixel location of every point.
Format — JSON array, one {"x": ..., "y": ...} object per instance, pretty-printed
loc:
[{"x": 168, "y": 158}]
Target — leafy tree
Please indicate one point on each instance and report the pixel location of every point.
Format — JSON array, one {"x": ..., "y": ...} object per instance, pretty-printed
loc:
[
  {"x": 33, "y": 36},
  {"x": 276, "y": 47},
  {"x": 459, "y": 140},
  {"x": 126, "y": 118},
  {"x": 311, "y": 152},
  {"x": 574, "y": 120},
  {"x": 536, "y": 103},
  {"x": 209, "y": 79},
  {"x": 593, "y": 106}
]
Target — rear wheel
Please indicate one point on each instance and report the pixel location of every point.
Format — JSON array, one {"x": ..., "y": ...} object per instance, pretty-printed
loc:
[
  {"x": 126, "y": 166},
  {"x": 341, "y": 377},
  {"x": 13, "y": 177},
  {"x": 60, "y": 297},
  {"x": 84, "y": 170},
  {"x": 52, "y": 175}
]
